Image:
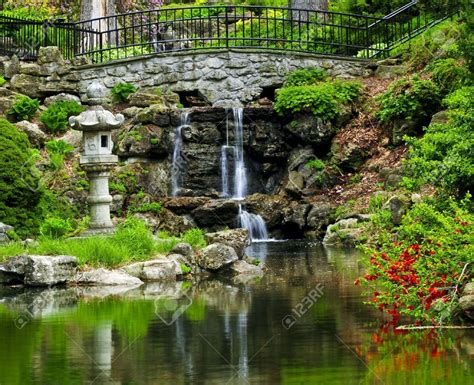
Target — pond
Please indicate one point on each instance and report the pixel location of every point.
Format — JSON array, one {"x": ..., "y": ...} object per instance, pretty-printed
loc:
[{"x": 302, "y": 323}]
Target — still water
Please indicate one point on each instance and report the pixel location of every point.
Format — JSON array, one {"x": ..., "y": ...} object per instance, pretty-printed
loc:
[{"x": 301, "y": 323}]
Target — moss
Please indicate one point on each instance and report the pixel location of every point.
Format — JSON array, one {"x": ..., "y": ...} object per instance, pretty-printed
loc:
[{"x": 20, "y": 187}]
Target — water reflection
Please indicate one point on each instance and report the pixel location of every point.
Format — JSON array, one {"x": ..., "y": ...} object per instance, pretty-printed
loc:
[{"x": 231, "y": 332}]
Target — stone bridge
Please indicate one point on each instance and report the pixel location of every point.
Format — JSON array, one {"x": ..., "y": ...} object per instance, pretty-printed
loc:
[{"x": 222, "y": 78}]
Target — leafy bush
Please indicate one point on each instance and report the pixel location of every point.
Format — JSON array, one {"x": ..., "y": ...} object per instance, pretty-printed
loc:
[
  {"x": 409, "y": 99},
  {"x": 316, "y": 164},
  {"x": 416, "y": 275},
  {"x": 122, "y": 91},
  {"x": 20, "y": 188},
  {"x": 154, "y": 207},
  {"x": 305, "y": 77},
  {"x": 57, "y": 151},
  {"x": 2, "y": 81},
  {"x": 55, "y": 228},
  {"x": 323, "y": 99},
  {"x": 195, "y": 237},
  {"x": 55, "y": 118},
  {"x": 24, "y": 108},
  {"x": 450, "y": 74},
  {"x": 444, "y": 156}
]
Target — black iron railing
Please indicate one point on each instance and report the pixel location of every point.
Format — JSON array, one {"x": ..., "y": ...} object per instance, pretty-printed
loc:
[{"x": 225, "y": 27}]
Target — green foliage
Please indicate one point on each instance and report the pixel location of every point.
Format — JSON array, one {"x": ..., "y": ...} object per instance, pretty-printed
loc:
[
  {"x": 55, "y": 117},
  {"x": 55, "y": 228},
  {"x": 24, "y": 108},
  {"x": 409, "y": 99},
  {"x": 122, "y": 91},
  {"x": 2, "y": 81},
  {"x": 415, "y": 275},
  {"x": 444, "y": 156},
  {"x": 450, "y": 74},
  {"x": 154, "y": 207},
  {"x": 185, "y": 269},
  {"x": 20, "y": 188},
  {"x": 323, "y": 100},
  {"x": 316, "y": 164},
  {"x": 57, "y": 151},
  {"x": 195, "y": 237},
  {"x": 117, "y": 187},
  {"x": 305, "y": 77}
]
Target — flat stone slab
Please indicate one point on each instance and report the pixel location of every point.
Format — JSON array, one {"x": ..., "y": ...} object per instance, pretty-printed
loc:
[
  {"x": 154, "y": 270},
  {"x": 103, "y": 277}
]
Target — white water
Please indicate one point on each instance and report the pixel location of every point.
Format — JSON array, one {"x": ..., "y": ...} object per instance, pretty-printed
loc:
[
  {"x": 252, "y": 222},
  {"x": 179, "y": 163}
]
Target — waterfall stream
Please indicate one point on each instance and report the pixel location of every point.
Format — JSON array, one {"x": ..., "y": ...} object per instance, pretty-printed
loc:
[
  {"x": 179, "y": 163},
  {"x": 252, "y": 222}
]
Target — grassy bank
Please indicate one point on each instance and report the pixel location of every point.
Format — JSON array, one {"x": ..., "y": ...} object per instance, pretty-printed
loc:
[{"x": 131, "y": 242}]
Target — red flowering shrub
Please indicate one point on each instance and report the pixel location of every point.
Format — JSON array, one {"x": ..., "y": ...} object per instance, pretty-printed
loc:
[{"x": 420, "y": 274}]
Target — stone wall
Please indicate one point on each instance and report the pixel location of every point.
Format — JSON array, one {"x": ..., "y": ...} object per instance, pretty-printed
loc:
[{"x": 224, "y": 78}]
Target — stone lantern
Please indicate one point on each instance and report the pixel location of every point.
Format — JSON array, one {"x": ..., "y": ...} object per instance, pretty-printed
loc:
[{"x": 97, "y": 160}]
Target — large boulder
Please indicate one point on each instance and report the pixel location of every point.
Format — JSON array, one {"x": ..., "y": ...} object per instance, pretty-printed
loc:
[
  {"x": 398, "y": 206},
  {"x": 35, "y": 135},
  {"x": 216, "y": 256},
  {"x": 295, "y": 215},
  {"x": 62, "y": 97},
  {"x": 104, "y": 277},
  {"x": 309, "y": 129},
  {"x": 49, "y": 271},
  {"x": 184, "y": 205},
  {"x": 466, "y": 303},
  {"x": 36, "y": 270},
  {"x": 238, "y": 239},
  {"x": 142, "y": 140},
  {"x": 3, "y": 232},
  {"x": 184, "y": 249},
  {"x": 154, "y": 270},
  {"x": 245, "y": 268},
  {"x": 217, "y": 214},
  {"x": 319, "y": 216},
  {"x": 343, "y": 233},
  {"x": 269, "y": 207}
]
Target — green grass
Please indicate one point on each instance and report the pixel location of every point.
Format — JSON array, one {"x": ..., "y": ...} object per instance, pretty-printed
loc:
[{"x": 131, "y": 242}]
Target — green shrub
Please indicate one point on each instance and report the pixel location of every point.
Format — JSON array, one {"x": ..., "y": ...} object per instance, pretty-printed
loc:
[
  {"x": 55, "y": 228},
  {"x": 444, "y": 156},
  {"x": 154, "y": 207},
  {"x": 195, "y": 237},
  {"x": 450, "y": 74},
  {"x": 305, "y": 77},
  {"x": 323, "y": 100},
  {"x": 185, "y": 269},
  {"x": 24, "y": 108},
  {"x": 2, "y": 81},
  {"x": 55, "y": 118},
  {"x": 20, "y": 187},
  {"x": 409, "y": 99},
  {"x": 316, "y": 164},
  {"x": 415, "y": 275},
  {"x": 122, "y": 91},
  {"x": 57, "y": 151}
]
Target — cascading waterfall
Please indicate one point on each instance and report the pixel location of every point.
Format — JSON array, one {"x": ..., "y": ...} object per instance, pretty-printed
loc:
[
  {"x": 178, "y": 165},
  {"x": 252, "y": 222}
]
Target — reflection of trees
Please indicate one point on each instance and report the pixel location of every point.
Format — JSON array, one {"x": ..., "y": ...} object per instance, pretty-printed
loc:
[{"x": 226, "y": 324}]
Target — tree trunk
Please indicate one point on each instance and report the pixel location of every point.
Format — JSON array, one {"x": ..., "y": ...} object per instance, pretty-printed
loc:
[
  {"x": 304, "y": 5},
  {"x": 96, "y": 9}
]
